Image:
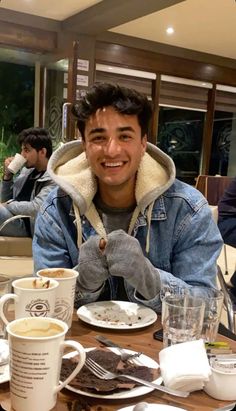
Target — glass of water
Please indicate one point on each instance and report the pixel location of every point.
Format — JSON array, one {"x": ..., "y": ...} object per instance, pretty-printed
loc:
[
  {"x": 182, "y": 318},
  {"x": 213, "y": 309}
]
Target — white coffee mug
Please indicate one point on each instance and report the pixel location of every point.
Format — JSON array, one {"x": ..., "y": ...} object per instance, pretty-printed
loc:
[
  {"x": 17, "y": 163},
  {"x": 33, "y": 297},
  {"x": 36, "y": 350},
  {"x": 65, "y": 294}
]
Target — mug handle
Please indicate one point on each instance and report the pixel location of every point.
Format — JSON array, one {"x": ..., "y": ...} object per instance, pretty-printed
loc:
[
  {"x": 80, "y": 349},
  {"x": 3, "y": 300}
]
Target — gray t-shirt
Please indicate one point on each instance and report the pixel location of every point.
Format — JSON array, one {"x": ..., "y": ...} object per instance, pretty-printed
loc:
[{"x": 115, "y": 219}]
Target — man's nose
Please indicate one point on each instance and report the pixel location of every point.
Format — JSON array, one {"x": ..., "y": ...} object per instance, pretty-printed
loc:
[
  {"x": 23, "y": 153},
  {"x": 112, "y": 147}
]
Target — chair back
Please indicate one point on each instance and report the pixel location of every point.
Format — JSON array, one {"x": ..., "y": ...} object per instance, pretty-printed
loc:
[
  {"x": 212, "y": 187},
  {"x": 227, "y": 301}
]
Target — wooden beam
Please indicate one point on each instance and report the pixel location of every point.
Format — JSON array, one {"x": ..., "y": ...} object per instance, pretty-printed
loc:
[
  {"x": 207, "y": 131},
  {"x": 155, "y": 116},
  {"x": 26, "y": 38},
  {"x": 111, "y": 13}
]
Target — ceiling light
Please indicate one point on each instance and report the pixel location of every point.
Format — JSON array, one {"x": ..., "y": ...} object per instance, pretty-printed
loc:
[{"x": 170, "y": 30}]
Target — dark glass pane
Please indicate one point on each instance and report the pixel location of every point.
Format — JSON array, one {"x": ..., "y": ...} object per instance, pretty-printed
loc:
[
  {"x": 223, "y": 134},
  {"x": 180, "y": 135}
]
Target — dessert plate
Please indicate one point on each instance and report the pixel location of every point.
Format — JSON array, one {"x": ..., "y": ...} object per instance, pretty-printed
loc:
[
  {"x": 132, "y": 393},
  {"x": 117, "y": 315}
]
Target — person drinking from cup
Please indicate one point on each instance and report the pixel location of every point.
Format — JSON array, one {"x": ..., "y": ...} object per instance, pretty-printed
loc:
[
  {"x": 24, "y": 194},
  {"x": 119, "y": 215}
]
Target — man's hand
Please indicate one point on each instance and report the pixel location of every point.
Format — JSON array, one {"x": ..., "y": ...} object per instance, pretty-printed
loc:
[
  {"x": 92, "y": 265},
  {"x": 125, "y": 259},
  {"x": 7, "y": 175}
]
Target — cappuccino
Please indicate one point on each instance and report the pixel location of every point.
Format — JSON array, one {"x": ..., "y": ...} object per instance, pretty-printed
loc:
[{"x": 29, "y": 329}]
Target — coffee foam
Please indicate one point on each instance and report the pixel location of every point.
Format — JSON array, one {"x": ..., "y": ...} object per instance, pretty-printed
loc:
[
  {"x": 60, "y": 273},
  {"x": 25, "y": 329},
  {"x": 35, "y": 284}
]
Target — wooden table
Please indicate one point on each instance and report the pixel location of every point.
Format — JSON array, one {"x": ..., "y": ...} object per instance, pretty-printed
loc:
[{"x": 137, "y": 340}]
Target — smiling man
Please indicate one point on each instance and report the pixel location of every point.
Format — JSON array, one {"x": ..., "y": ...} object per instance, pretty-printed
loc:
[
  {"x": 24, "y": 194},
  {"x": 119, "y": 216}
]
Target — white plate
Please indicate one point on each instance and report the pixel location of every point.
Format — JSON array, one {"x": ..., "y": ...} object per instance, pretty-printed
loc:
[
  {"x": 4, "y": 373},
  {"x": 121, "y": 315},
  {"x": 155, "y": 407},
  {"x": 135, "y": 392},
  {"x": 4, "y": 369}
]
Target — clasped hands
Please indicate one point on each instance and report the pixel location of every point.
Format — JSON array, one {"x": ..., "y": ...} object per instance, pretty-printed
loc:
[{"x": 120, "y": 255}]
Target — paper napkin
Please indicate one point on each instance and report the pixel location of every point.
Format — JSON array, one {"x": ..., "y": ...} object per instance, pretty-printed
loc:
[{"x": 185, "y": 366}]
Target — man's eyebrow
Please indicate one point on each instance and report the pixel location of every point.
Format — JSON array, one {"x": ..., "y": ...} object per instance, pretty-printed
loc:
[
  {"x": 125, "y": 128},
  {"x": 102, "y": 130},
  {"x": 97, "y": 130}
]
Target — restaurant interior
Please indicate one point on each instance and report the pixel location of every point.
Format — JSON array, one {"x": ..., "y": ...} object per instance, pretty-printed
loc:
[{"x": 181, "y": 55}]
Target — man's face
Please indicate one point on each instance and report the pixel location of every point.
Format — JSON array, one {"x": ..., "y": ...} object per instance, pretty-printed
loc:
[
  {"x": 114, "y": 147},
  {"x": 32, "y": 156}
]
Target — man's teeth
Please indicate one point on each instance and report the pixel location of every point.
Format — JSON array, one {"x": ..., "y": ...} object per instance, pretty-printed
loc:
[{"x": 113, "y": 164}]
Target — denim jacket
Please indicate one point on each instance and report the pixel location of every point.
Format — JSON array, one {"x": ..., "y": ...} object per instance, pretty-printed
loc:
[{"x": 184, "y": 240}]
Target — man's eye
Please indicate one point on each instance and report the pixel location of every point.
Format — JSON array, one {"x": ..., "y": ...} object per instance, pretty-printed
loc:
[{"x": 125, "y": 137}]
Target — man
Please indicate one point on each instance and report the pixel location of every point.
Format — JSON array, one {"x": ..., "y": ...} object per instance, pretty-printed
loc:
[
  {"x": 132, "y": 230},
  {"x": 25, "y": 194}
]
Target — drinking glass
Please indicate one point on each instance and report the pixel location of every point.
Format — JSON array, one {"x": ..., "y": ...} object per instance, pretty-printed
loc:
[{"x": 182, "y": 318}]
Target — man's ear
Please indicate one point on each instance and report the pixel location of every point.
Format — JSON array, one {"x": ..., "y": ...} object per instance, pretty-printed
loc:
[{"x": 43, "y": 151}]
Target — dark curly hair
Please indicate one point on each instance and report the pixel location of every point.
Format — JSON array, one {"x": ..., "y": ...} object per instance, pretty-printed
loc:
[
  {"x": 37, "y": 138},
  {"x": 122, "y": 99}
]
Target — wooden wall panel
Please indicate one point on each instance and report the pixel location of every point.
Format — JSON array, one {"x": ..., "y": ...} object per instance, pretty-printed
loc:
[{"x": 129, "y": 57}]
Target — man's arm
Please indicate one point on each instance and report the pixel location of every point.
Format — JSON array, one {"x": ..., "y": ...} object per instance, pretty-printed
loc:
[
  {"x": 50, "y": 250},
  {"x": 31, "y": 208},
  {"x": 192, "y": 263}
]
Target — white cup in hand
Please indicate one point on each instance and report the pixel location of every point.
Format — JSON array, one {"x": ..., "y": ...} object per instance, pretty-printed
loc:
[{"x": 17, "y": 163}]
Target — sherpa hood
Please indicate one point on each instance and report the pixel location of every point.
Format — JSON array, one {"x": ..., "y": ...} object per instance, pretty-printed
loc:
[{"x": 69, "y": 168}]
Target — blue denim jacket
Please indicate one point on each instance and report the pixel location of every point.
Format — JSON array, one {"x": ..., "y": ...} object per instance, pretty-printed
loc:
[{"x": 184, "y": 243}]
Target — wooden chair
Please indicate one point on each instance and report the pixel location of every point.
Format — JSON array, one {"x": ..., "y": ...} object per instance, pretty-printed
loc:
[{"x": 212, "y": 187}]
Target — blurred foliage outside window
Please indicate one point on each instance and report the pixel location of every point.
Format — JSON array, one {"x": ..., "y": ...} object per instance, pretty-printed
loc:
[{"x": 16, "y": 106}]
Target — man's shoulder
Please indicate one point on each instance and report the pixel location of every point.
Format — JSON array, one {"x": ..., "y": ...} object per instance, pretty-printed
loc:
[
  {"x": 186, "y": 192},
  {"x": 57, "y": 195}
]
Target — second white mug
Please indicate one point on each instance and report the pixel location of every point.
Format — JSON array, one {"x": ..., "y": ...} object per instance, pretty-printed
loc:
[
  {"x": 65, "y": 293},
  {"x": 33, "y": 297}
]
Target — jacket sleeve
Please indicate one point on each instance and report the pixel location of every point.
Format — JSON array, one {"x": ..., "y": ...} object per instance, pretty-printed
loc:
[
  {"x": 32, "y": 207},
  {"x": 50, "y": 248},
  {"x": 6, "y": 190},
  {"x": 193, "y": 265}
]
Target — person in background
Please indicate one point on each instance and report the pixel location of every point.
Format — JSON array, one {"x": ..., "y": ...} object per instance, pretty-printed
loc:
[
  {"x": 227, "y": 224},
  {"x": 24, "y": 194},
  {"x": 227, "y": 214},
  {"x": 119, "y": 216}
]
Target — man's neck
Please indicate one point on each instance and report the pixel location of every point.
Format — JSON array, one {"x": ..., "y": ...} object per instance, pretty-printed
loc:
[
  {"x": 116, "y": 197},
  {"x": 42, "y": 166}
]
